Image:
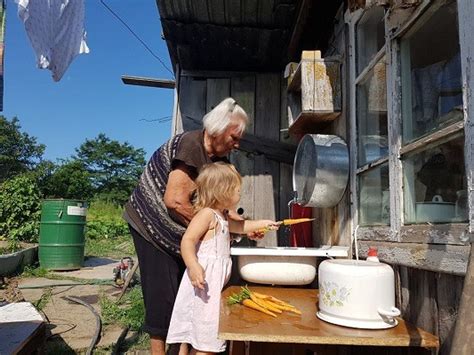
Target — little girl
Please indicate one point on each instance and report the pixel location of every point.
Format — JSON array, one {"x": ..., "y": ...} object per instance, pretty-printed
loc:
[{"x": 205, "y": 249}]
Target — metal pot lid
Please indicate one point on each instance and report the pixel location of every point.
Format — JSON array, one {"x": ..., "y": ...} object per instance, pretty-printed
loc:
[{"x": 320, "y": 170}]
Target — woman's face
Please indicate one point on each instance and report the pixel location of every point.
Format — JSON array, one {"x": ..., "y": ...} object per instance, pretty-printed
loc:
[{"x": 223, "y": 143}]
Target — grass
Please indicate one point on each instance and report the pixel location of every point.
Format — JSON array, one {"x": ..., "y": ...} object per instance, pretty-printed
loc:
[
  {"x": 114, "y": 248},
  {"x": 44, "y": 299},
  {"x": 128, "y": 312}
]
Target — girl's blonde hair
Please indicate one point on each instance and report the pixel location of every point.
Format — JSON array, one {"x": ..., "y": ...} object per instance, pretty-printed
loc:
[{"x": 216, "y": 184}]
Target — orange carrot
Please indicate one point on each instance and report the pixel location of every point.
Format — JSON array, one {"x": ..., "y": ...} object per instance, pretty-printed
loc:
[
  {"x": 285, "y": 308},
  {"x": 264, "y": 304},
  {"x": 291, "y": 221},
  {"x": 272, "y": 299},
  {"x": 251, "y": 304}
]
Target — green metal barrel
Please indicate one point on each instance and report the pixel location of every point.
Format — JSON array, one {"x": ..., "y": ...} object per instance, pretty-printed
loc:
[{"x": 61, "y": 244}]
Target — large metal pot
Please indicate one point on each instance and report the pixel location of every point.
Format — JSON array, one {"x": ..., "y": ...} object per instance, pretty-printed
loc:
[{"x": 320, "y": 170}]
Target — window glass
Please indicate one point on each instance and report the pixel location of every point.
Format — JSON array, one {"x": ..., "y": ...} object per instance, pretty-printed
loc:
[
  {"x": 370, "y": 36},
  {"x": 435, "y": 189},
  {"x": 431, "y": 73},
  {"x": 374, "y": 197},
  {"x": 372, "y": 115}
]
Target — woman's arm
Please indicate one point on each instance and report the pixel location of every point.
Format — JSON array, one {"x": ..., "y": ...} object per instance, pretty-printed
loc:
[
  {"x": 247, "y": 226},
  {"x": 178, "y": 194},
  {"x": 197, "y": 229}
]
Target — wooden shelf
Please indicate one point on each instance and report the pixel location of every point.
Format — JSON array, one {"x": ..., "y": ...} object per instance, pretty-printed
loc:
[
  {"x": 314, "y": 92},
  {"x": 294, "y": 80},
  {"x": 312, "y": 122}
]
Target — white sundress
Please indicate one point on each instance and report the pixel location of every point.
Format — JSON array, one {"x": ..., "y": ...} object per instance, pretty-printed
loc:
[{"x": 195, "y": 318}]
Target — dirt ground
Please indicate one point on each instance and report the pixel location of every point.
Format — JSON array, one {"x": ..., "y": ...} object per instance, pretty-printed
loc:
[{"x": 71, "y": 325}]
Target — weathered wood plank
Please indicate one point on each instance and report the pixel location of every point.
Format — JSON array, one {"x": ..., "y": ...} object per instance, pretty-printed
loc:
[
  {"x": 266, "y": 182},
  {"x": 267, "y": 172},
  {"x": 192, "y": 101},
  {"x": 285, "y": 194},
  {"x": 466, "y": 30},
  {"x": 419, "y": 306},
  {"x": 449, "y": 259},
  {"x": 455, "y": 234},
  {"x": 243, "y": 91},
  {"x": 464, "y": 332},
  {"x": 176, "y": 121},
  {"x": 286, "y": 170},
  {"x": 272, "y": 149},
  {"x": 448, "y": 295},
  {"x": 216, "y": 11},
  {"x": 303, "y": 14},
  {"x": 265, "y": 12},
  {"x": 249, "y": 12},
  {"x": 200, "y": 11},
  {"x": 217, "y": 90},
  {"x": 435, "y": 139},
  {"x": 354, "y": 200},
  {"x": 232, "y": 12}
]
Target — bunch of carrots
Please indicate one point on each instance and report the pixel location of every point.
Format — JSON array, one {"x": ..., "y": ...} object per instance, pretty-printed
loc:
[{"x": 264, "y": 303}]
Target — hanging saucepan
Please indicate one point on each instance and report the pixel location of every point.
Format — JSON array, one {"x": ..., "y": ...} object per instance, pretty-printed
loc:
[{"x": 320, "y": 170}]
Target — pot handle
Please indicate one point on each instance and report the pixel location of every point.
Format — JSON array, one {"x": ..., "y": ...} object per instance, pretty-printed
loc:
[
  {"x": 437, "y": 198},
  {"x": 393, "y": 312}
]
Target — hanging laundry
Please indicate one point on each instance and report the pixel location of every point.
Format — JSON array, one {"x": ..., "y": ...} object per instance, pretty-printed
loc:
[
  {"x": 3, "y": 12},
  {"x": 56, "y": 32}
]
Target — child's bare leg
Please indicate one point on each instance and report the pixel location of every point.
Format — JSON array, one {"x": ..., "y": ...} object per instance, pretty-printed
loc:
[{"x": 183, "y": 349}]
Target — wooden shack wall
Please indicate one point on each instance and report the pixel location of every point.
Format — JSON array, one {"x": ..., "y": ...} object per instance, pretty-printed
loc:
[
  {"x": 267, "y": 183},
  {"x": 429, "y": 300},
  {"x": 333, "y": 225}
]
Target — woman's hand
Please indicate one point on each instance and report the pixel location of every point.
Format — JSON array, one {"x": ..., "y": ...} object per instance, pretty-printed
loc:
[{"x": 197, "y": 276}]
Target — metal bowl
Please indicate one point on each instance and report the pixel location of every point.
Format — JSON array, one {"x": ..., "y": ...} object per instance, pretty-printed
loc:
[{"x": 320, "y": 170}]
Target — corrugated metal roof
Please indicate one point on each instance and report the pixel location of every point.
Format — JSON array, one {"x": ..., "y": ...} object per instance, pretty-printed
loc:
[{"x": 228, "y": 34}]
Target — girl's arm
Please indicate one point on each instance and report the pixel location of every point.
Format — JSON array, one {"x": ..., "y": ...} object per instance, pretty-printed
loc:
[
  {"x": 246, "y": 226},
  {"x": 198, "y": 227}
]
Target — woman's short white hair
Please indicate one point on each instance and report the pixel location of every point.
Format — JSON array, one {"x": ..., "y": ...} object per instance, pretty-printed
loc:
[{"x": 219, "y": 118}]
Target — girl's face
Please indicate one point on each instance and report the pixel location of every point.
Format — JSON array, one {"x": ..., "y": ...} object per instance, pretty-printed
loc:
[{"x": 235, "y": 199}]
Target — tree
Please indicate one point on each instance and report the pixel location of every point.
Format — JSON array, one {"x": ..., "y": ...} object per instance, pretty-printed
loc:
[
  {"x": 69, "y": 180},
  {"x": 19, "y": 152},
  {"x": 114, "y": 167}
]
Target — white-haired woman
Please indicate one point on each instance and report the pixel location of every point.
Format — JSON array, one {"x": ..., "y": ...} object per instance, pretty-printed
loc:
[{"x": 160, "y": 208}]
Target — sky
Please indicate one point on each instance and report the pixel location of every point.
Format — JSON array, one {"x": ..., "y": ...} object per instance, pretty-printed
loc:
[{"x": 91, "y": 98}]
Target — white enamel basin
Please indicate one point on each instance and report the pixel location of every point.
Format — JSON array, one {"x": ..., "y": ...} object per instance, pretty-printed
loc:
[{"x": 282, "y": 265}]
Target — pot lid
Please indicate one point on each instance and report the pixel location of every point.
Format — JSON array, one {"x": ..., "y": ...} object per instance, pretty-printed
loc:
[{"x": 320, "y": 170}]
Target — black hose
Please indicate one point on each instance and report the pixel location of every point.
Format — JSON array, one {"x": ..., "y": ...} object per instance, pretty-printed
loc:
[
  {"x": 98, "y": 323},
  {"x": 119, "y": 341}
]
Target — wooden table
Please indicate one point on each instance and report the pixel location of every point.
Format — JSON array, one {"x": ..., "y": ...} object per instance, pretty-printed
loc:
[
  {"x": 239, "y": 323},
  {"x": 22, "y": 329}
]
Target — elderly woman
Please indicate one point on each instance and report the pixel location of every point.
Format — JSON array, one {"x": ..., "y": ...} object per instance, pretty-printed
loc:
[{"x": 160, "y": 208}]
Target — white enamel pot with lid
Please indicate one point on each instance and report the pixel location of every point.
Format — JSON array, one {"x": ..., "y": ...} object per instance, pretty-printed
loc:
[{"x": 357, "y": 294}]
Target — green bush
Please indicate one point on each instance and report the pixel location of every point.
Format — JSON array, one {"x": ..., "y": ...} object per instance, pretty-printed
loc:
[
  {"x": 104, "y": 221},
  {"x": 20, "y": 210}
]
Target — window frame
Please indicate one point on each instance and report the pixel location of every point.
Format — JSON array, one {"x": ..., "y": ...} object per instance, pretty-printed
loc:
[{"x": 454, "y": 236}]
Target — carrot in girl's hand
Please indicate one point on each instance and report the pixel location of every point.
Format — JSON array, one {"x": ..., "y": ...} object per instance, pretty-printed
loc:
[{"x": 288, "y": 222}]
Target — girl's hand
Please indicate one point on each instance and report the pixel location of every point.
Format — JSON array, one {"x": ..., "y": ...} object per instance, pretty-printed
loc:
[
  {"x": 197, "y": 276},
  {"x": 260, "y": 233},
  {"x": 256, "y": 235}
]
